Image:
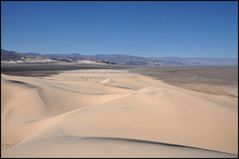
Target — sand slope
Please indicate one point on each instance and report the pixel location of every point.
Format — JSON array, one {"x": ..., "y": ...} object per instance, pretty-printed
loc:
[{"x": 113, "y": 113}]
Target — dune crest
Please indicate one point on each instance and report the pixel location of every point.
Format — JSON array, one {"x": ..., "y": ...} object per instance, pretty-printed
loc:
[{"x": 113, "y": 112}]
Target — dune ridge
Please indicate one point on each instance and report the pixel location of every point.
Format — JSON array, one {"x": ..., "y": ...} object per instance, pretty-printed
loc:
[{"x": 124, "y": 109}]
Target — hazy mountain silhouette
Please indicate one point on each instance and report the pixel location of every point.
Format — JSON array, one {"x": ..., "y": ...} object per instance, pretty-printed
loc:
[{"x": 121, "y": 59}]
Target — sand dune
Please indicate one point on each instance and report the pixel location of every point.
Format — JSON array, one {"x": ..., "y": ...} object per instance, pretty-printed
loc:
[{"x": 112, "y": 113}]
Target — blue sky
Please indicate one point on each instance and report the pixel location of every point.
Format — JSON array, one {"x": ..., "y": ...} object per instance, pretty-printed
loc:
[{"x": 173, "y": 29}]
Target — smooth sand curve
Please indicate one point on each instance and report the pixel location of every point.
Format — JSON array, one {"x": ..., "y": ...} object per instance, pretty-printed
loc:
[{"x": 105, "y": 112}]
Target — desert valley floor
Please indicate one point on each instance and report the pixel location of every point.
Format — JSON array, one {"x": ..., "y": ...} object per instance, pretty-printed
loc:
[{"x": 114, "y": 113}]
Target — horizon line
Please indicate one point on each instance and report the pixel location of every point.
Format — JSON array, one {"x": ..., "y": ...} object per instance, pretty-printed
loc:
[{"x": 120, "y": 54}]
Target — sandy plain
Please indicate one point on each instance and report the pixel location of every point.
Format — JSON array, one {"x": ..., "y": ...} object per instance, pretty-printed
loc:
[{"x": 114, "y": 113}]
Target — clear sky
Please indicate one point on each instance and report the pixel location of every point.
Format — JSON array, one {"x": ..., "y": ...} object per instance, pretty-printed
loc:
[{"x": 178, "y": 29}]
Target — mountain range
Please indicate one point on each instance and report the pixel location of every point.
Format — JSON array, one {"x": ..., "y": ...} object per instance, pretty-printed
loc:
[{"x": 120, "y": 59}]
